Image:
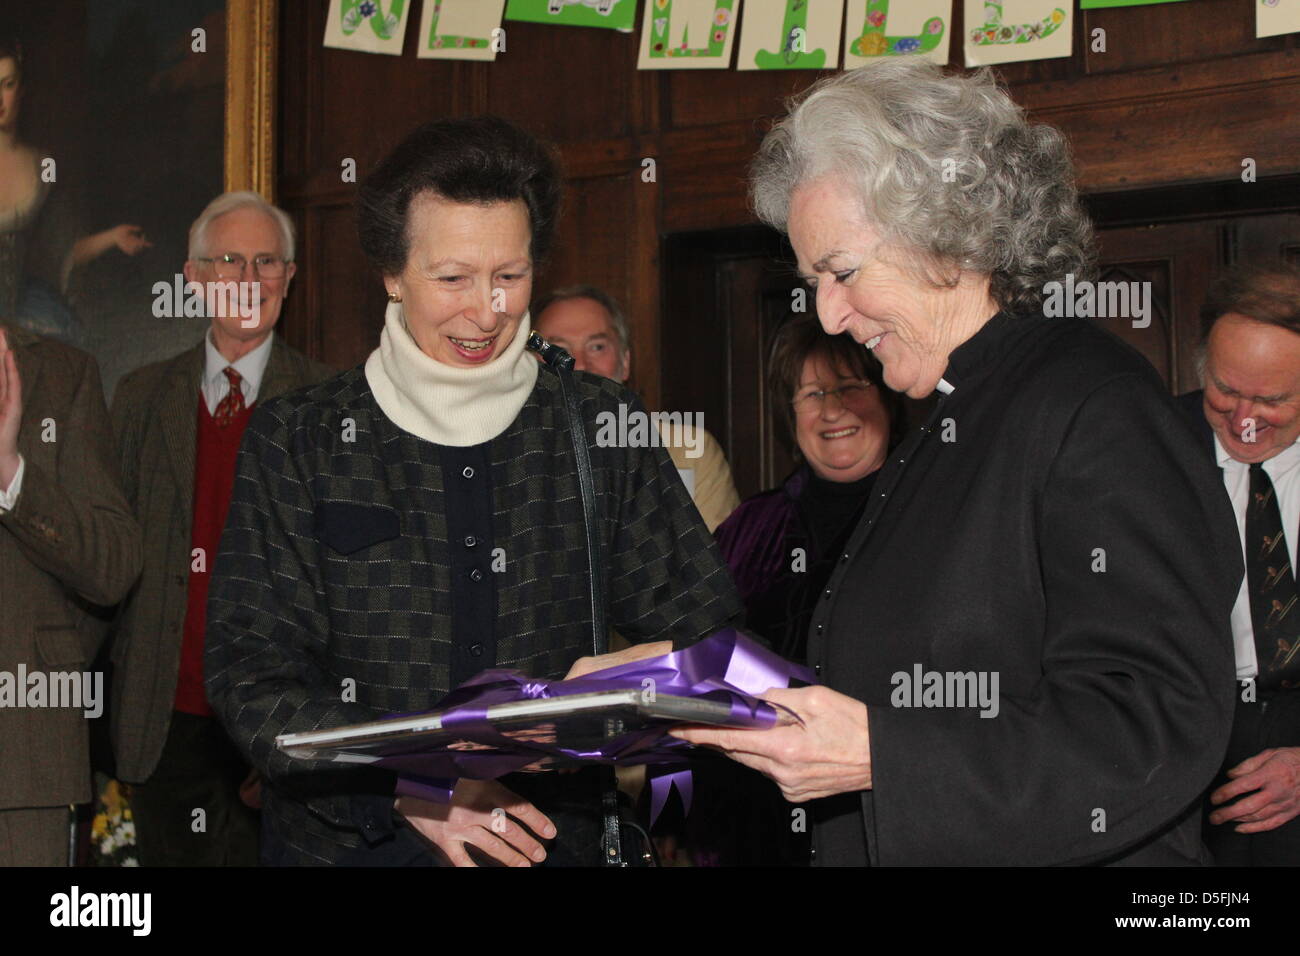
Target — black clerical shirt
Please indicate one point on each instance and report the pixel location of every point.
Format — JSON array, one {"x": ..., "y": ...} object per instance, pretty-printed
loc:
[{"x": 1053, "y": 526}]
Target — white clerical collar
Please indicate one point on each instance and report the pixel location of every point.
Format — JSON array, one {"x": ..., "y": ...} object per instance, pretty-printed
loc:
[
  {"x": 447, "y": 404},
  {"x": 251, "y": 366},
  {"x": 944, "y": 386}
]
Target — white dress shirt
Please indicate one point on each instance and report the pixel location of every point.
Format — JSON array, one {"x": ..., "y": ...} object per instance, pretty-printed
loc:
[
  {"x": 251, "y": 369},
  {"x": 1283, "y": 469}
]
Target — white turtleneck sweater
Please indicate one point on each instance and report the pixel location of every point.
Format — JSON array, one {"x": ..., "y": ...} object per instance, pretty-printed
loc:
[{"x": 446, "y": 404}]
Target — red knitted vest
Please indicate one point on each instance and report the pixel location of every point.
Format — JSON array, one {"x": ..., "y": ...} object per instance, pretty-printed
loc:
[{"x": 214, "y": 480}]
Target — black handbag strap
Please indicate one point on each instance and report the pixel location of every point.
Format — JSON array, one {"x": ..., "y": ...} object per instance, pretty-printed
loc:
[{"x": 562, "y": 363}]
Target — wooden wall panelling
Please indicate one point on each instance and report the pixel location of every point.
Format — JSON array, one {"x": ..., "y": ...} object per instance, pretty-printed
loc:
[
  {"x": 591, "y": 236},
  {"x": 1169, "y": 35},
  {"x": 1183, "y": 137},
  {"x": 1266, "y": 238},
  {"x": 561, "y": 83},
  {"x": 1180, "y": 260}
]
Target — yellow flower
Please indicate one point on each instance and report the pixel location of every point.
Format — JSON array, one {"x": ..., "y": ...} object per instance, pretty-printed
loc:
[
  {"x": 99, "y": 826},
  {"x": 874, "y": 44},
  {"x": 112, "y": 797},
  {"x": 1057, "y": 16}
]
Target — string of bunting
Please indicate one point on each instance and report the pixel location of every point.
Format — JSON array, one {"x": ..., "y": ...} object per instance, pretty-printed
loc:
[{"x": 776, "y": 34}]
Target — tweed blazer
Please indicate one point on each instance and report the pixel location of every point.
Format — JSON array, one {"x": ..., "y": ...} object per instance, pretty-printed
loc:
[
  {"x": 335, "y": 565},
  {"x": 68, "y": 548},
  {"x": 155, "y": 412}
]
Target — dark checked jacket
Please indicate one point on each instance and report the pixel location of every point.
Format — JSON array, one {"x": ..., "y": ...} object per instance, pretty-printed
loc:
[{"x": 356, "y": 550}]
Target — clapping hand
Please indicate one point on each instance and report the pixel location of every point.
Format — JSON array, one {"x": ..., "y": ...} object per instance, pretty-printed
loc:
[{"x": 11, "y": 412}]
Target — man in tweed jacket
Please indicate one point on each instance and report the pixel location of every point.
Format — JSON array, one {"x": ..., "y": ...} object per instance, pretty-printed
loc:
[
  {"x": 340, "y": 565},
  {"x": 68, "y": 543},
  {"x": 162, "y": 738}
]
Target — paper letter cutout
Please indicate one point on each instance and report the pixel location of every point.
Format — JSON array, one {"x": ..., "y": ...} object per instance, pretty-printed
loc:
[
  {"x": 371, "y": 26},
  {"x": 1005, "y": 31},
  {"x": 611, "y": 14},
  {"x": 918, "y": 29},
  {"x": 687, "y": 34},
  {"x": 1275, "y": 17},
  {"x": 791, "y": 35},
  {"x": 459, "y": 29}
]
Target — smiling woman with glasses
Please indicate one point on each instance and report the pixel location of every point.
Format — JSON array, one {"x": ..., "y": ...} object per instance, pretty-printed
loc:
[
  {"x": 841, "y": 424},
  {"x": 781, "y": 547}
]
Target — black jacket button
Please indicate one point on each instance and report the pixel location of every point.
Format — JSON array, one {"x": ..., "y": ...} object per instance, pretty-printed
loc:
[
  {"x": 476, "y": 575},
  {"x": 470, "y": 541},
  {"x": 468, "y": 472}
]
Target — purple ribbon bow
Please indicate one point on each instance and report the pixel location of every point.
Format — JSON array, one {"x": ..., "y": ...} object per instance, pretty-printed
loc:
[{"x": 727, "y": 666}]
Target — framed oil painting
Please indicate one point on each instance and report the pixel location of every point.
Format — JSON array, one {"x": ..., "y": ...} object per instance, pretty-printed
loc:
[{"x": 119, "y": 121}]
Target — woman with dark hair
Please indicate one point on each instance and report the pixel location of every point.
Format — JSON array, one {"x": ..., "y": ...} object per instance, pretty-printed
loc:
[
  {"x": 418, "y": 519},
  {"x": 40, "y": 242},
  {"x": 781, "y": 544}
]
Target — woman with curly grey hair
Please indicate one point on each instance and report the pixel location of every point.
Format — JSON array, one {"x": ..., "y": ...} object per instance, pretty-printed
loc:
[{"x": 1025, "y": 646}]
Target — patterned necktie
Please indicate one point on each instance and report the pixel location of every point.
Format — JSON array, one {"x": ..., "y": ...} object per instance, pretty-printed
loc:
[
  {"x": 1271, "y": 584},
  {"x": 232, "y": 405}
]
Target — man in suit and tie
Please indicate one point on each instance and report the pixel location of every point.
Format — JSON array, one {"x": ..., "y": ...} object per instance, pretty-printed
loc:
[
  {"x": 68, "y": 548},
  {"x": 1249, "y": 413},
  {"x": 179, "y": 423}
]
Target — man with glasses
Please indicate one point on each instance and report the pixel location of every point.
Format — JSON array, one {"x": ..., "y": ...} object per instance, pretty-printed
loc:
[{"x": 179, "y": 423}]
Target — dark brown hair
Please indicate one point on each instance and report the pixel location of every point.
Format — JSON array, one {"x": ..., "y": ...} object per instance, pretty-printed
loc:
[
  {"x": 1268, "y": 293},
  {"x": 481, "y": 159},
  {"x": 801, "y": 338},
  {"x": 11, "y": 46}
]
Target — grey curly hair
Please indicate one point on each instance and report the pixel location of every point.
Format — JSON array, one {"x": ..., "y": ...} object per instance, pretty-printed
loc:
[{"x": 947, "y": 167}]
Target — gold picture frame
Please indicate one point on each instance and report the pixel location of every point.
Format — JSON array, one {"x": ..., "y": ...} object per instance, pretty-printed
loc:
[{"x": 251, "y": 45}]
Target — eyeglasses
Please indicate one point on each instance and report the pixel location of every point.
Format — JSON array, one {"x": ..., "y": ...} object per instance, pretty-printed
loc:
[
  {"x": 231, "y": 266},
  {"x": 814, "y": 400}
]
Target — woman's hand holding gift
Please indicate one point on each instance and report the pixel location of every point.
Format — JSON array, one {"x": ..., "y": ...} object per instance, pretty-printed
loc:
[
  {"x": 637, "y": 652},
  {"x": 829, "y": 753},
  {"x": 482, "y": 814}
]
